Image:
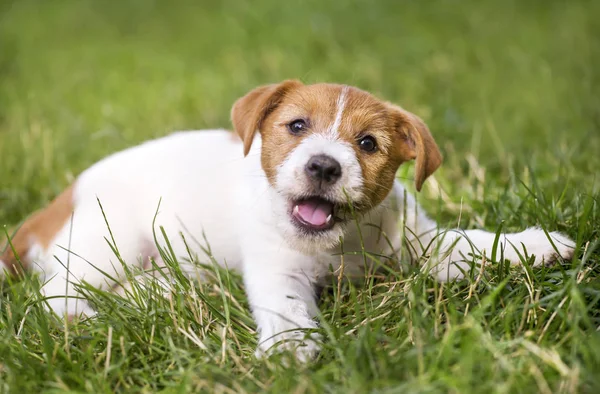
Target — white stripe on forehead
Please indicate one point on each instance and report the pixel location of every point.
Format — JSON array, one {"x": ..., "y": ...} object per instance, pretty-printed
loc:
[{"x": 340, "y": 104}]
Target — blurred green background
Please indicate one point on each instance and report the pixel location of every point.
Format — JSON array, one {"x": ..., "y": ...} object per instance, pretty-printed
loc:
[{"x": 509, "y": 88}]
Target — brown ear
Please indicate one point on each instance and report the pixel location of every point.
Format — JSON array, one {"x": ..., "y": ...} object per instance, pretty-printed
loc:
[
  {"x": 249, "y": 111},
  {"x": 416, "y": 143}
]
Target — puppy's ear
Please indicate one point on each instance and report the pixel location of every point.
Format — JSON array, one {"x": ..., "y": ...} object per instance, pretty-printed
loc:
[
  {"x": 416, "y": 142},
  {"x": 249, "y": 111}
]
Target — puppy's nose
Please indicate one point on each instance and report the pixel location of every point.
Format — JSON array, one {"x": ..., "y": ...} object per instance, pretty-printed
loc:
[{"x": 323, "y": 168}]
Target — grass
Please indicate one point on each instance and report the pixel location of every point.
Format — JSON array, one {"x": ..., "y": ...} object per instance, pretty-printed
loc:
[{"x": 511, "y": 91}]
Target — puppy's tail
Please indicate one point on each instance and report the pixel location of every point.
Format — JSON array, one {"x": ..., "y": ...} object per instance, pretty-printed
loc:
[
  {"x": 35, "y": 233},
  {"x": 13, "y": 260}
]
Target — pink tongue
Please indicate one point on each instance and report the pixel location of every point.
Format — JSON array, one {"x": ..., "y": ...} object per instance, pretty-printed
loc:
[{"x": 314, "y": 212}]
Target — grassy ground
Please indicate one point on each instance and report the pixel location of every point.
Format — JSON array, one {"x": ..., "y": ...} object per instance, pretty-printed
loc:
[{"x": 510, "y": 89}]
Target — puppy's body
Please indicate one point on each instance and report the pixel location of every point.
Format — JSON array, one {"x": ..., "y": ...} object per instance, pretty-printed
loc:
[{"x": 276, "y": 214}]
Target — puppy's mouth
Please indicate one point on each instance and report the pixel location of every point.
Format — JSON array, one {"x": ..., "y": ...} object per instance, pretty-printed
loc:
[{"x": 314, "y": 214}]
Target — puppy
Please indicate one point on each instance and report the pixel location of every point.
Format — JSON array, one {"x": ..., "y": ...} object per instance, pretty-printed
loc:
[{"x": 314, "y": 165}]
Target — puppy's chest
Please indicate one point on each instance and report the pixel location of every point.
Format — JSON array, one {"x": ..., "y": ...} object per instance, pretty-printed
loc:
[
  {"x": 353, "y": 259},
  {"x": 330, "y": 267}
]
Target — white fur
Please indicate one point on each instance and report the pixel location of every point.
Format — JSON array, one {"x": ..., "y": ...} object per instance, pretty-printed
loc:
[
  {"x": 333, "y": 130},
  {"x": 455, "y": 250},
  {"x": 207, "y": 187},
  {"x": 291, "y": 179}
]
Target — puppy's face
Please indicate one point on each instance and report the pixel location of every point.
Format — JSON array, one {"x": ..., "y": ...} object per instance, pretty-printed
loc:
[{"x": 330, "y": 152}]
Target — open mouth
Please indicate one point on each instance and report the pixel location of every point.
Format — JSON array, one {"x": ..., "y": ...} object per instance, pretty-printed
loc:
[{"x": 314, "y": 214}]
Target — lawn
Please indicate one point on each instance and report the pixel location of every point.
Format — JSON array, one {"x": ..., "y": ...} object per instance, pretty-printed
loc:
[{"x": 510, "y": 90}]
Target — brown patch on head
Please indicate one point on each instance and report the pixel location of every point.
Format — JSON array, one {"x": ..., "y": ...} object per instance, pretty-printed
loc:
[
  {"x": 271, "y": 108},
  {"x": 416, "y": 143},
  {"x": 313, "y": 104},
  {"x": 249, "y": 112},
  {"x": 40, "y": 228},
  {"x": 366, "y": 116},
  {"x": 400, "y": 136}
]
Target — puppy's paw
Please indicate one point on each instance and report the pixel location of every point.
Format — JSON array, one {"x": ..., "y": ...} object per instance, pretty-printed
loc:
[
  {"x": 300, "y": 341},
  {"x": 537, "y": 244},
  {"x": 565, "y": 247},
  {"x": 305, "y": 348}
]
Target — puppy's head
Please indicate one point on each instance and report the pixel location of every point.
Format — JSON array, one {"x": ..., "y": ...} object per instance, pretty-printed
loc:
[{"x": 329, "y": 151}]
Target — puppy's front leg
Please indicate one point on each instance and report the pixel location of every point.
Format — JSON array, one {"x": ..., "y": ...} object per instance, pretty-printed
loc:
[
  {"x": 450, "y": 252},
  {"x": 279, "y": 284},
  {"x": 459, "y": 247}
]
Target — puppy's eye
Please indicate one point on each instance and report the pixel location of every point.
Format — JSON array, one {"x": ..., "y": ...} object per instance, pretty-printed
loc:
[
  {"x": 368, "y": 144},
  {"x": 297, "y": 126}
]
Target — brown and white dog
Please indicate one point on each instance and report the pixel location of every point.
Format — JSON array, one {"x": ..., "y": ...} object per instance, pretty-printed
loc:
[{"x": 318, "y": 164}]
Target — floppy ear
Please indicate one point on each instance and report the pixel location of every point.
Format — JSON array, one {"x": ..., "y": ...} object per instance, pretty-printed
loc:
[
  {"x": 416, "y": 142},
  {"x": 249, "y": 111}
]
